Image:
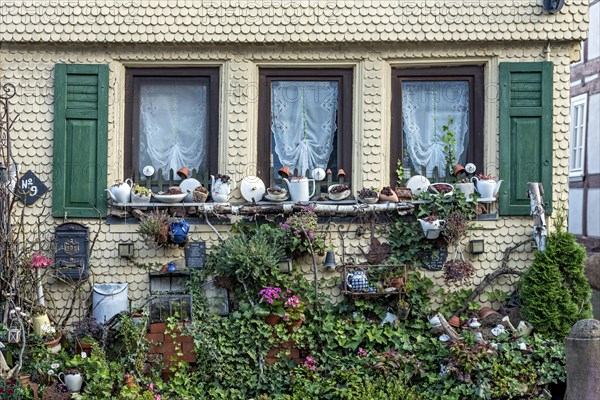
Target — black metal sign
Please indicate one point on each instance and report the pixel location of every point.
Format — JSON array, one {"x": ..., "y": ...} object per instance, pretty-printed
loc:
[
  {"x": 195, "y": 254},
  {"x": 30, "y": 188}
]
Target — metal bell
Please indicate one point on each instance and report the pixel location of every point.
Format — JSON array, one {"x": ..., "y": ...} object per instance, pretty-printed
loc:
[{"x": 330, "y": 259}]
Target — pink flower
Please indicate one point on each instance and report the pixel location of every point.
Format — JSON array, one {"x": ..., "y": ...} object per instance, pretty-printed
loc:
[
  {"x": 151, "y": 386},
  {"x": 292, "y": 302},
  {"x": 362, "y": 352},
  {"x": 39, "y": 261},
  {"x": 157, "y": 396},
  {"x": 310, "y": 363}
]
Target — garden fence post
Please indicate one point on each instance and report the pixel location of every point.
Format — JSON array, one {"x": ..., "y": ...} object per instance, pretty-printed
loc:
[{"x": 582, "y": 347}]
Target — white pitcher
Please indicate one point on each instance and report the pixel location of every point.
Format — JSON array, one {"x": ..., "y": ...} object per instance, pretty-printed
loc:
[
  {"x": 120, "y": 192},
  {"x": 299, "y": 188},
  {"x": 73, "y": 382},
  {"x": 220, "y": 191},
  {"x": 432, "y": 229},
  {"x": 487, "y": 188}
]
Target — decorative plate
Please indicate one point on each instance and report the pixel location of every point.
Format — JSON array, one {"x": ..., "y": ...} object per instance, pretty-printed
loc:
[
  {"x": 252, "y": 188},
  {"x": 170, "y": 198},
  {"x": 187, "y": 186},
  {"x": 418, "y": 184}
]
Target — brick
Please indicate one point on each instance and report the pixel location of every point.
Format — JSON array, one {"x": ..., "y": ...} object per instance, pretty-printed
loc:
[
  {"x": 271, "y": 360},
  {"x": 184, "y": 339},
  {"x": 273, "y": 352},
  {"x": 155, "y": 337},
  {"x": 187, "y": 347},
  {"x": 158, "y": 327},
  {"x": 294, "y": 353},
  {"x": 189, "y": 357}
]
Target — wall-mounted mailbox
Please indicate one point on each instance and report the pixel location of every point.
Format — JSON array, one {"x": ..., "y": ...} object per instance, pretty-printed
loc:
[{"x": 72, "y": 251}]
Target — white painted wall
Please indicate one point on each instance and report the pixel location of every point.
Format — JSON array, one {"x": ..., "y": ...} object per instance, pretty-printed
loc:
[
  {"x": 593, "y": 134},
  {"x": 575, "y": 215},
  {"x": 593, "y": 220},
  {"x": 594, "y": 32}
]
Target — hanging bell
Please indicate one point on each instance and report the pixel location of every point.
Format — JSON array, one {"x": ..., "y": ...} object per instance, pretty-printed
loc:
[{"x": 330, "y": 259}]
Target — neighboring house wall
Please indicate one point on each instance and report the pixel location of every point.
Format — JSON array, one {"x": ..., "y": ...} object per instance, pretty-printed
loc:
[
  {"x": 370, "y": 38},
  {"x": 584, "y": 180}
]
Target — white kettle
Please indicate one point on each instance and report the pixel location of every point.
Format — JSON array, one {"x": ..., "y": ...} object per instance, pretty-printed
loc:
[
  {"x": 120, "y": 192},
  {"x": 220, "y": 191},
  {"x": 299, "y": 188},
  {"x": 487, "y": 188}
]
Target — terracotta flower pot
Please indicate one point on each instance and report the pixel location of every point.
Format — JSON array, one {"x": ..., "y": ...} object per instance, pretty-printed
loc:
[
  {"x": 272, "y": 319},
  {"x": 454, "y": 321},
  {"x": 293, "y": 325},
  {"x": 130, "y": 381},
  {"x": 396, "y": 282},
  {"x": 485, "y": 312},
  {"x": 56, "y": 341}
]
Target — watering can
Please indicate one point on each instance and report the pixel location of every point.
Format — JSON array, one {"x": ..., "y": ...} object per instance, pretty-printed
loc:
[
  {"x": 487, "y": 188},
  {"x": 120, "y": 192},
  {"x": 299, "y": 188}
]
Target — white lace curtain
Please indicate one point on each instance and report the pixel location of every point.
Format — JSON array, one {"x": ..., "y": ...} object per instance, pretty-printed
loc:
[
  {"x": 303, "y": 115},
  {"x": 426, "y": 107},
  {"x": 173, "y": 123}
]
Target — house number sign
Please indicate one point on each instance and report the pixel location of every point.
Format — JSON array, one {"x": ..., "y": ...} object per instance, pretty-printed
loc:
[{"x": 30, "y": 188}]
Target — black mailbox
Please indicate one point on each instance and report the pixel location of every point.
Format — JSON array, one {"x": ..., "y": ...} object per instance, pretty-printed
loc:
[{"x": 72, "y": 252}]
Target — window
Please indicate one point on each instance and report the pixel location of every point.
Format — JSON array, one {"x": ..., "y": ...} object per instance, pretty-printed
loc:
[
  {"x": 305, "y": 120},
  {"x": 171, "y": 119},
  {"x": 578, "y": 124},
  {"x": 428, "y": 102}
]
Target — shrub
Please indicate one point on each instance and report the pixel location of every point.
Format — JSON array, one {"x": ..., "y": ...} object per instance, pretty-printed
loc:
[{"x": 555, "y": 292}]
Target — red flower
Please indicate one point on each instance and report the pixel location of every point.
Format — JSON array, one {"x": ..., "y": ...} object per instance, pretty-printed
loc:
[{"x": 39, "y": 261}]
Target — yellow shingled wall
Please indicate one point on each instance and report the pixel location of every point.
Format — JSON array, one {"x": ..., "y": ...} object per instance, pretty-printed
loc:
[{"x": 30, "y": 67}]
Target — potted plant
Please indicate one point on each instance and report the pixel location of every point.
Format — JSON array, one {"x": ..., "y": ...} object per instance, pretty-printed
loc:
[
  {"x": 270, "y": 305},
  {"x": 200, "y": 194},
  {"x": 466, "y": 186},
  {"x": 302, "y": 233},
  {"x": 140, "y": 195},
  {"x": 432, "y": 226},
  {"x": 387, "y": 194},
  {"x": 276, "y": 193},
  {"x": 394, "y": 279},
  {"x": 338, "y": 192},
  {"x": 403, "y": 193},
  {"x": 154, "y": 228},
  {"x": 72, "y": 378},
  {"x": 403, "y": 309},
  {"x": 84, "y": 333},
  {"x": 294, "y": 311},
  {"x": 368, "y": 195},
  {"x": 457, "y": 270}
]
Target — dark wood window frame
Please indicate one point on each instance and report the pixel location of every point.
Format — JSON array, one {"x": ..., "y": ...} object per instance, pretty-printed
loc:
[
  {"x": 472, "y": 74},
  {"x": 132, "y": 141},
  {"x": 345, "y": 78}
]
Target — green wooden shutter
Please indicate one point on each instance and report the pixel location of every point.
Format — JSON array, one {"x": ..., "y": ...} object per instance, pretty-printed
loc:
[
  {"x": 525, "y": 134},
  {"x": 80, "y": 140}
]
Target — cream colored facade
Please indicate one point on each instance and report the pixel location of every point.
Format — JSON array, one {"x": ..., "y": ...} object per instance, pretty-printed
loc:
[{"x": 240, "y": 37}]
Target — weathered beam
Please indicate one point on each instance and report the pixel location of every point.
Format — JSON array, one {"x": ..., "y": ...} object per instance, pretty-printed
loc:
[{"x": 285, "y": 208}]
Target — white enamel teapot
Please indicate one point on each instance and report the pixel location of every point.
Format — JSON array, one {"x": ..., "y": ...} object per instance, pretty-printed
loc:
[
  {"x": 487, "y": 188},
  {"x": 120, "y": 192},
  {"x": 432, "y": 229},
  {"x": 299, "y": 188},
  {"x": 220, "y": 191}
]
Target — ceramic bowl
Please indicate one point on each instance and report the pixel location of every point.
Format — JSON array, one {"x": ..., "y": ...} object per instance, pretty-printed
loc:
[{"x": 170, "y": 198}]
